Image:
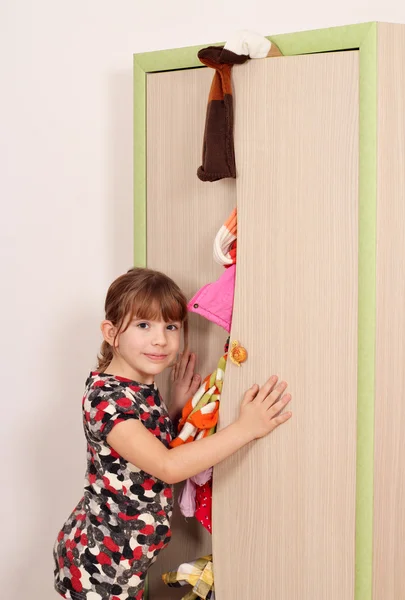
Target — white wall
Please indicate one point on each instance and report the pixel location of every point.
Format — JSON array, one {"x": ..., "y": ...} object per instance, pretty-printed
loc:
[{"x": 66, "y": 224}]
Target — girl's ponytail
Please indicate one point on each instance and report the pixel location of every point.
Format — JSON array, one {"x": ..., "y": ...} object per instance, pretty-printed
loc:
[{"x": 105, "y": 357}]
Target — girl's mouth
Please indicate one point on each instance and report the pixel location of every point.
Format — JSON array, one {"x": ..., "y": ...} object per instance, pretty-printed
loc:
[{"x": 156, "y": 357}]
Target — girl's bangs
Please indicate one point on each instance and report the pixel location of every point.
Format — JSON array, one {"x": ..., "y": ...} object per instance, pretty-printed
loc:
[{"x": 155, "y": 304}]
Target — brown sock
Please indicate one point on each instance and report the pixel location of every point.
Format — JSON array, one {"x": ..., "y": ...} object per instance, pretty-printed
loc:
[{"x": 218, "y": 160}]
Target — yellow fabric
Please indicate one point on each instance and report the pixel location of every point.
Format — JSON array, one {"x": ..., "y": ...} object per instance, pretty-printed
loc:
[{"x": 198, "y": 573}]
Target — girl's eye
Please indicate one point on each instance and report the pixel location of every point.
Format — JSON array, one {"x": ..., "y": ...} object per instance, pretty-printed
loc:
[
  {"x": 174, "y": 327},
  {"x": 143, "y": 325}
]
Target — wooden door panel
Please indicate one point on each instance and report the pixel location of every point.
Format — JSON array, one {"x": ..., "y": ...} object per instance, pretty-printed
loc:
[{"x": 284, "y": 507}]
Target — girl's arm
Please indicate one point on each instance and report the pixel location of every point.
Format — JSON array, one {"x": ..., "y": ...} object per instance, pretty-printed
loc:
[{"x": 259, "y": 415}]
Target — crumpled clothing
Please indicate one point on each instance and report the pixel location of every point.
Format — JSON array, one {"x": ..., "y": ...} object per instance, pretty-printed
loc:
[
  {"x": 248, "y": 43},
  {"x": 199, "y": 419},
  {"x": 218, "y": 155},
  {"x": 225, "y": 241},
  {"x": 187, "y": 497},
  {"x": 203, "y": 502},
  {"x": 200, "y": 414},
  {"x": 214, "y": 301},
  {"x": 198, "y": 573}
]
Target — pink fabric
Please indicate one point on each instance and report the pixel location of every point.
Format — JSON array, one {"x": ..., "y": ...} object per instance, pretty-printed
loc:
[
  {"x": 214, "y": 301},
  {"x": 202, "y": 477},
  {"x": 187, "y": 498}
]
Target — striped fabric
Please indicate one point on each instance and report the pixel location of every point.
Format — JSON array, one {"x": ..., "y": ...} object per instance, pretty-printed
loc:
[
  {"x": 218, "y": 160},
  {"x": 225, "y": 241},
  {"x": 198, "y": 573},
  {"x": 200, "y": 414}
]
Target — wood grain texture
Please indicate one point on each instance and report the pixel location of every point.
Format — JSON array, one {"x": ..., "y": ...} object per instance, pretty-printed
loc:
[
  {"x": 389, "y": 456},
  {"x": 284, "y": 507},
  {"x": 183, "y": 217}
]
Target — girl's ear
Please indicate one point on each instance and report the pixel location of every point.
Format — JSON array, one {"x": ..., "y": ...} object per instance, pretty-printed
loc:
[{"x": 109, "y": 332}]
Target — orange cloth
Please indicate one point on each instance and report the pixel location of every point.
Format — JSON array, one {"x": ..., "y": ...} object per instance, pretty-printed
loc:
[{"x": 200, "y": 414}]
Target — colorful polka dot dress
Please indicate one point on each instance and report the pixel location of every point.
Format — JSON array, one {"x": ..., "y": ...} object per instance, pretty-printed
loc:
[{"x": 116, "y": 531}]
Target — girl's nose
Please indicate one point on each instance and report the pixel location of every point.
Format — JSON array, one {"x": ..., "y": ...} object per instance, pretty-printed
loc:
[{"x": 160, "y": 338}]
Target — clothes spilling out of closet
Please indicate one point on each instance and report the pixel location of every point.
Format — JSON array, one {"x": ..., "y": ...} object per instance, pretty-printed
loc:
[
  {"x": 310, "y": 510},
  {"x": 214, "y": 301},
  {"x": 200, "y": 414}
]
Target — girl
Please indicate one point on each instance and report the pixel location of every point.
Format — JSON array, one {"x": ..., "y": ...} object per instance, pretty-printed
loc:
[{"x": 116, "y": 531}]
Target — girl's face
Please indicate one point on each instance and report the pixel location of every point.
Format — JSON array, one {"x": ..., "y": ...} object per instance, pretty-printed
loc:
[{"x": 146, "y": 348}]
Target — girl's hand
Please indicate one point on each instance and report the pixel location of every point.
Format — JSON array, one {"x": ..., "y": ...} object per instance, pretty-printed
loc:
[
  {"x": 261, "y": 408},
  {"x": 184, "y": 383}
]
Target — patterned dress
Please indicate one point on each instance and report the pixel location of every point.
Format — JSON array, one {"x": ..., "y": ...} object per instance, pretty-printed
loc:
[{"x": 122, "y": 522}]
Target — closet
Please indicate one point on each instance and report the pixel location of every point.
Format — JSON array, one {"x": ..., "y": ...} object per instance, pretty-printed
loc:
[{"x": 317, "y": 509}]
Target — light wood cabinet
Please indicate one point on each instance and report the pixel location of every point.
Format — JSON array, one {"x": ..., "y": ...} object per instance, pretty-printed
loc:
[{"x": 316, "y": 510}]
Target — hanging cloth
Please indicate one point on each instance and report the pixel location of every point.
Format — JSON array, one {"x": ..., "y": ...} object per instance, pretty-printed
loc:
[
  {"x": 199, "y": 419},
  {"x": 218, "y": 160},
  {"x": 214, "y": 301},
  {"x": 187, "y": 497},
  {"x": 225, "y": 241},
  {"x": 200, "y": 414}
]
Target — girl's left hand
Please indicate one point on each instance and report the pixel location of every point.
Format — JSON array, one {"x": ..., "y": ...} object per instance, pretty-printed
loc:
[{"x": 184, "y": 383}]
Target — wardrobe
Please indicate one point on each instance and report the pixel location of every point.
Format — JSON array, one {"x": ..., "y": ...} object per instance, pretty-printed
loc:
[{"x": 315, "y": 510}]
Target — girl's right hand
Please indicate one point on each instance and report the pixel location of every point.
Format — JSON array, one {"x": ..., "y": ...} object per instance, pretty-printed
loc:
[{"x": 261, "y": 407}]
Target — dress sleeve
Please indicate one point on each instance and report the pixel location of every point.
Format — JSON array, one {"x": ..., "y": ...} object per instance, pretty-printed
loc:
[{"x": 102, "y": 410}]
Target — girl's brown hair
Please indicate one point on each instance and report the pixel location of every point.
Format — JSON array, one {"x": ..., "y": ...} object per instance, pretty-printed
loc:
[{"x": 145, "y": 294}]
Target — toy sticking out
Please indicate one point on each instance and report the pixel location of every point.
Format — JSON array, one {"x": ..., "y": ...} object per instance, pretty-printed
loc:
[{"x": 237, "y": 353}]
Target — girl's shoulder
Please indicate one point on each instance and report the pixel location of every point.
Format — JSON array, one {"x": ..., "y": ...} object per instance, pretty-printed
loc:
[
  {"x": 112, "y": 387},
  {"x": 109, "y": 399}
]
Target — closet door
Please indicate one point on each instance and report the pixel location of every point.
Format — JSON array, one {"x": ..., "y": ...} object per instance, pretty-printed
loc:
[
  {"x": 284, "y": 507},
  {"x": 183, "y": 217}
]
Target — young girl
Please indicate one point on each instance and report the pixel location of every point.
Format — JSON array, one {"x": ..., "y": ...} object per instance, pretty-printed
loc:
[{"x": 116, "y": 531}]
